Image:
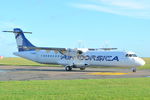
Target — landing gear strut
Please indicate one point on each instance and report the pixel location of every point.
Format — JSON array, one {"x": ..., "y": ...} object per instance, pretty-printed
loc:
[
  {"x": 68, "y": 68},
  {"x": 134, "y": 69},
  {"x": 82, "y": 68}
]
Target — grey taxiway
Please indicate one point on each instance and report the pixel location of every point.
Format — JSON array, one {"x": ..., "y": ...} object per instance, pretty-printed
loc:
[{"x": 8, "y": 73}]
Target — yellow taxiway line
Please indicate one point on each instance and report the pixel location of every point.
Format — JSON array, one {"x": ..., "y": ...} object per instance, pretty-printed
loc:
[{"x": 107, "y": 73}]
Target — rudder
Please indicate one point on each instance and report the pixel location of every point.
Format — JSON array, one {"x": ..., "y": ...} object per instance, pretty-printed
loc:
[{"x": 22, "y": 42}]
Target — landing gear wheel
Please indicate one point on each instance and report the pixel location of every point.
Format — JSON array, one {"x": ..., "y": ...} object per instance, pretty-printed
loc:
[
  {"x": 82, "y": 68},
  {"x": 68, "y": 68},
  {"x": 133, "y": 69}
]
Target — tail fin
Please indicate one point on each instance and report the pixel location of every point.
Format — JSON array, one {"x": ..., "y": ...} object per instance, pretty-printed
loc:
[{"x": 22, "y": 42}]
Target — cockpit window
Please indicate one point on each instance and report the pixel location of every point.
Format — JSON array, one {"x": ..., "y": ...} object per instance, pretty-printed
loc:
[{"x": 131, "y": 55}]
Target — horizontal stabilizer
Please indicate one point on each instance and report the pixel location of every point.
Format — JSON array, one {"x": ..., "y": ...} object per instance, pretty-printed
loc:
[{"x": 17, "y": 32}]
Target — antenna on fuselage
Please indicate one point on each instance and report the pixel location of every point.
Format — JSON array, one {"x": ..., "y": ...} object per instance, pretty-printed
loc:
[{"x": 81, "y": 44}]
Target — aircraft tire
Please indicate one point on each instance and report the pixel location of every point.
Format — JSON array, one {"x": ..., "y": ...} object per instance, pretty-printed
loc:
[
  {"x": 68, "y": 68},
  {"x": 133, "y": 69}
]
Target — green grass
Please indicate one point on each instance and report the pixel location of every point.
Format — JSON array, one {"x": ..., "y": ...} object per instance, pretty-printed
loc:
[
  {"x": 104, "y": 89},
  {"x": 147, "y": 65},
  {"x": 16, "y": 61}
]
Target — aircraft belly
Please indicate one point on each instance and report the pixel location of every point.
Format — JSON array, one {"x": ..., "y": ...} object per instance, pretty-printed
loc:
[{"x": 104, "y": 63}]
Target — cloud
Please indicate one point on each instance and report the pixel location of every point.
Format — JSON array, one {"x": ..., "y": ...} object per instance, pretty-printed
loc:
[
  {"x": 128, "y": 4},
  {"x": 133, "y": 8}
]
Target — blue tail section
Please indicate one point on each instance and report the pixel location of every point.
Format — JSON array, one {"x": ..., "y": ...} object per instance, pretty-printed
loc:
[{"x": 22, "y": 42}]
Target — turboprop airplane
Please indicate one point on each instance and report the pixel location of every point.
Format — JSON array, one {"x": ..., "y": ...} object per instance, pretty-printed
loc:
[{"x": 74, "y": 58}]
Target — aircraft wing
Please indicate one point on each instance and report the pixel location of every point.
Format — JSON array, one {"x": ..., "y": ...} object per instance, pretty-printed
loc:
[
  {"x": 106, "y": 49},
  {"x": 68, "y": 51},
  {"x": 64, "y": 51},
  {"x": 61, "y": 50},
  {"x": 46, "y": 48}
]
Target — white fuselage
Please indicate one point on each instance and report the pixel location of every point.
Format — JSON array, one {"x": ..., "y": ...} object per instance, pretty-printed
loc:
[
  {"x": 74, "y": 58},
  {"x": 88, "y": 58}
]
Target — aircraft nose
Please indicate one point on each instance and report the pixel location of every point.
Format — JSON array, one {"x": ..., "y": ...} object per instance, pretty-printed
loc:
[{"x": 140, "y": 62}]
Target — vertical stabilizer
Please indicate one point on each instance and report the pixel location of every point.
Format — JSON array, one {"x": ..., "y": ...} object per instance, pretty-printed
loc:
[{"x": 23, "y": 43}]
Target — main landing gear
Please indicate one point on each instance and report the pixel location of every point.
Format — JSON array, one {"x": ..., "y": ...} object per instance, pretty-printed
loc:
[
  {"x": 68, "y": 68},
  {"x": 82, "y": 68}
]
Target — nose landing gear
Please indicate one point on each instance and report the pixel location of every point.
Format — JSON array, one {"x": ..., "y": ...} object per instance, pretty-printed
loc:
[{"x": 133, "y": 69}]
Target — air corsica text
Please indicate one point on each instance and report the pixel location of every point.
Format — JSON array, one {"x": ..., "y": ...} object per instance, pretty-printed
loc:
[{"x": 93, "y": 57}]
